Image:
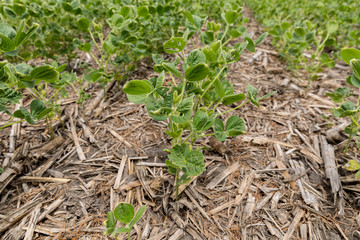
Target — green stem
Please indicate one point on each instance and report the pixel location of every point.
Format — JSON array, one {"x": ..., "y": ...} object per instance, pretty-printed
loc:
[
  {"x": 97, "y": 61},
  {"x": 226, "y": 30},
  {"x": 9, "y": 124},
  {"x": 173, "y": 80},
  {"x": 217, "y": 76},
  {"x": 206, "y": 135},
  {"x": 129, "y": 236},
  {"x": 354, "y": 122},
  {"x": 177, "y": 185},
  {"x": 234, "y": 108}
]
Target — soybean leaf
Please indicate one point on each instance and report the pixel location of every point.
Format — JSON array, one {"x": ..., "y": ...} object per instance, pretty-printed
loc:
[
  {"x": 22, "y": 113},
  {"x": 202, "y": 121},
  {"x": 234, "y": 126},
  {"x": 24, "y": 37},
  {"x": 110, "y": 223},
  {"x": 219, "y": 130},
  {"x": 195, "y": 57},
  {"x": 349, "y": 53},
  {"x": 139, "y": 99},
  {"x": 171, "y": 167},
  {"x": 252, "y": 94},
  {"x": 352, "y": 165},
  {"x": 261, "y": 38},
  {"x": 192, "y": 161},
  {"x": 355, "y": 66},
  {"x": 138, "y": 215},
  {"x": 184, "y": 109},
  {"x": 339, "y": 94},
  {"x": 83, "y": 24},
  {"x": 157, "y": 109},
  {"x": 174, "y": 45},
  {"x": 143, "y": 11},
  {"x": 233, "y": 98},
  {"x": 354, "y": 81},
  {"x": 171, "y": 68},
  {"x": 36, "y": 108},
  {"x": 138, "y": 87},
  {"x": 250, "y": 44},
  {"x": 124, "y": 212},
  {"x": 346, "y": 109},
  {"x": 197, "y": 72},
  {"x": 230, "y": 16},
  {"x": 219, "y": 88},
  {"x": 332, "y": 26},
  {"x": 8, "y": 95},
  {"x": 45, "y": 73}
]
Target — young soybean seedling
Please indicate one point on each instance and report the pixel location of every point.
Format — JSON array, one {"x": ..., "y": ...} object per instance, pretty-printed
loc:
[
  {"x": 189, "y": 101},
  {"x": 124, "y": 213}
]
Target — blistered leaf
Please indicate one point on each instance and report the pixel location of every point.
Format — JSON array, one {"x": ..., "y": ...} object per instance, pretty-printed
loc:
[
  {"x": 184, "y": 109},
  {"x": 339, "y": 94},
  {"x": 202, "y": 121},
  {"x": 195, "y": 57},
  {"x": 138, "y": 87},
  {"x": 124, "y": 212}
]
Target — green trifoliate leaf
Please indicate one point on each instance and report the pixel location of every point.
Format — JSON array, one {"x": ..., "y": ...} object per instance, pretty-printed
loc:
[
  {"x": 110, "y": 223},
  {"x": 349, "y": 53},
  {"x": 137, "y": 217},
  {"x": 124, "y": 212},
  {"x": 219, "y": 130},
  {"x": 233, "y": 98},
  {"x": 339, "y": 94},
  {"x": 83, "y": 24},
  {"x": 234, "y": 126},
  {"x": 45, "y": 73},
  {"x": 172, "y": 69},
  {"x": 346, "y": 109},
  {"x": 202, "y": 121},
  {"x": 197, "y": 72},
  {"x": 191, "y": 161},
  {"x": 174, "y": 45},
  {"x": 332, "y": 26},
  {"x": 355, "y": 66},
  {"x": 352, "y": 165},
  {"x": 138, "y": 87}
]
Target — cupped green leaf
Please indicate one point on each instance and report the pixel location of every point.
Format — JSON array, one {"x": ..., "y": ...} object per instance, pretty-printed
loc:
[
  {"x": 197, "y": 72},
  {"x": 233, "y": 98},
  {"x": 138, "y": 87},
  {"x": 137, "y": 217},
  {"x": 219, "y": 88},
  {"x": 174, "y": 45},
  {"x": 261, "y": 38},
  {"x": 110, "y": 223},
  {"x": 45, "y": 73},
  {"x": 219, "y": 130},
  {"x": 355, "y": 66},
  {"x": 250, "y": 44},
  {"x": 124, "y": 212},
  {"x": 192, "y": 161},
  {"x": 202, "y": 121},
  {"x": 252, "y": 94},
  {"x": 349, "y": 53},
  {"x": 36, "y": 107},
  {"x": 234, "y": 126},
  {"x": 83, "y": 24},
  {"x": 157, "y": 109},
  {"x": 183, "y": 111},
  {"x": 143, "y": 11},
  {"x": 339, "y": 94},
  {"x": 230, "y": 16},
  {"x": 195, "y": 57}
]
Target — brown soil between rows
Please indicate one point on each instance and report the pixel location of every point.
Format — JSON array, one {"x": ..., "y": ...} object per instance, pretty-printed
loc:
[{"x": 270, "y": 183}]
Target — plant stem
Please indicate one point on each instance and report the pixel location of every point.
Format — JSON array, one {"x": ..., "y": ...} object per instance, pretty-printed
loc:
[
  {"x": 217, "y": 76},
  {"x": 234, "y": 108},
  {"x": 129, "y": 236},
  {"x": 226, "y": 30},
  {"x": 173, "y": 80},
  {"x": 9, "y": 124},
  {"x": 177, "y": 185}
]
